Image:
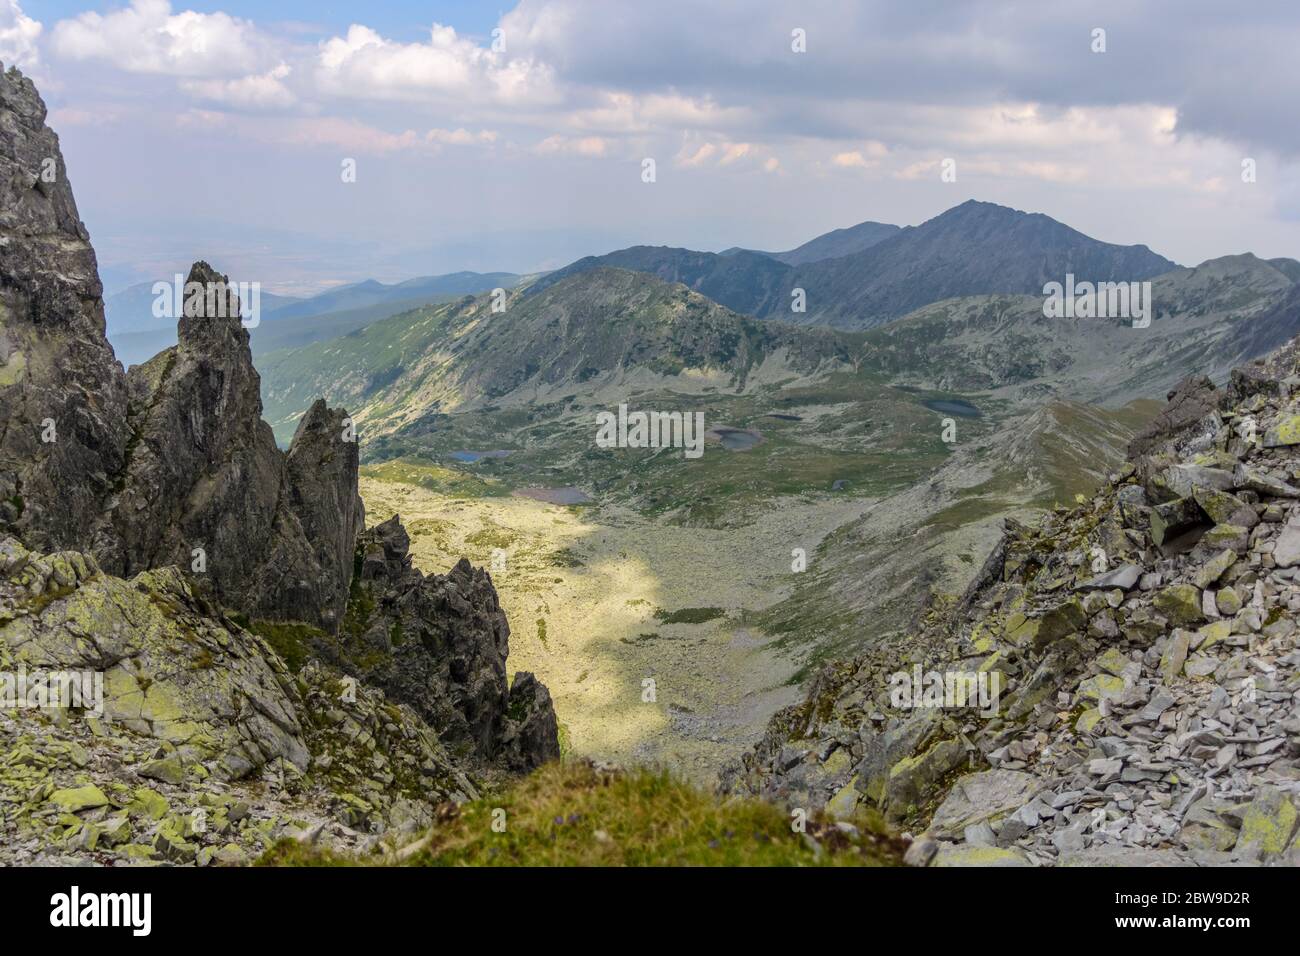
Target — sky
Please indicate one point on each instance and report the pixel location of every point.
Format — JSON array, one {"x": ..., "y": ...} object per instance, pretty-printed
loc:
[{"x": 498, "y": 136}]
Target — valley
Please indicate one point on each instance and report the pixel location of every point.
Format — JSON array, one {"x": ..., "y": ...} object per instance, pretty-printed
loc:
[
  {"x": 881, "y": 463},
  {"x": 601, "y": 599}
]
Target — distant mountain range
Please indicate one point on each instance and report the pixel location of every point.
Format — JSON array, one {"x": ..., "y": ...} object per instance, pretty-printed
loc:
[
  {"x": 286, "y": 322},
  {"x": 587, "y": 332},
  {"x": 976, "y": 248},
  {"x": 831, "y": 245}
]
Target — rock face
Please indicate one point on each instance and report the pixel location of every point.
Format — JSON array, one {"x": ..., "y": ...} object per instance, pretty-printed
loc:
[
  {"x": 152, "y": 533},
  {"x": 63, "y": 396},
  {"x": 203, "y": 746},
  {"x": 310, "y": 566},
  {"x": 172, "y": 669},
  {"x": 1149, "y": 660},
  {"x": 439, "y": 643},
  {"x": 170, "y": 464},
  {"x": 203, "y": 472}
]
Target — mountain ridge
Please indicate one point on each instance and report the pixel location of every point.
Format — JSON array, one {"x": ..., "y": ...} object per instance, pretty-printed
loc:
[{"x": 973, "y": 248}]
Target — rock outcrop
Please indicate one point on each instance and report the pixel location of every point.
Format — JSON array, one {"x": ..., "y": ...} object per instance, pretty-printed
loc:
[
  {"x": 154, "y": 538},
  {"x": 439, "y": 643},
  {"x": 171, "y": 463},
  {"x": 201, "y": 746},
  {"x": 1143, "y": 657},
  {"x": 63, "y": 398},
  {"x": 205, "y": 487}
]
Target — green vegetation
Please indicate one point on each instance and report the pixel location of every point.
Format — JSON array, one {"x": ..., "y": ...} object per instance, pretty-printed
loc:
[
  {"x": 290, "y": 639},
  {"x": 452, "y": 482},
  {"x": 576, "y": 815},
  {"x": 690, "y": 615}
]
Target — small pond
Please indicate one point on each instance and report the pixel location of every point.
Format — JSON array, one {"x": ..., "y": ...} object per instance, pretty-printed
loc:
[
  {"x": 735, "y": 439},
  {"x": 952, "y": 406},
  {"x": 556, "y": 496},
  {"x": 472, "y": 456}
]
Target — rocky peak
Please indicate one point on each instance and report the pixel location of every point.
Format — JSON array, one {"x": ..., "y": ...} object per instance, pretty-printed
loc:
[
  {"x": 62, "y": 394},
  {"x": 137, "y": 508},
  {"x": 210, "y": 319},
  {"x": 439, "y": 643},
  {"x": 318, "y": 507}
]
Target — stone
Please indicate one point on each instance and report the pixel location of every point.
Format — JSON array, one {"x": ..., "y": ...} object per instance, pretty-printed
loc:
[
  {"x": 76, "y": 799},
  {"x": 1286, "y": 550},
  {"x": 1180, "y": 604},
  {"x": 1285, "y": 431},
  {"x": 1228, "y": 602},
  {"x": 168, "y": 770},
  {"x": 1212, "y": 634},
  {"x": 1226, "y": 536},
  {"x": 1224, "y": 508},
  {"x": 1213, "y": 569},
  {"x": 844, "y": 804},
  {"x": 990, "y": 856},
  {"x": 1064, "y": 619},
  {"x": 921, "y": 851},
  {"x": 1123, "y": 577},
  {"x": 149, "y": 804},
  {"x": 1174, "y": 656},
  {"x": 1100, "y": 687},
  {"x": 1252, "y": 479},
  {"x": 985, "y": 796},
  {"x": 1175, "y": 518},
  {"x": 912, "y": 777},
  {"x": 1268, "y": 825}
]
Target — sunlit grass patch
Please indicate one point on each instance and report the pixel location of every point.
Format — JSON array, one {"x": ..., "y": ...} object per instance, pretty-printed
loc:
[{"x": 577, "y": 815}]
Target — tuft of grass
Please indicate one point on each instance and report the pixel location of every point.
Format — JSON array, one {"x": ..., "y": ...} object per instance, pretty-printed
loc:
[
  {"x": 690, "y": 615},
  {"x": 576, "y": 814},
  {"x": 292, "y": 640}
]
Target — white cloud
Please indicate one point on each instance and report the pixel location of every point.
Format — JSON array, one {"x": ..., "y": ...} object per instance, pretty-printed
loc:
[
  {"x": 851, "y": 159},
  {"x": 265, "y": 91},
  {"x": 148, "y": 38},
  {"x": 365, "y": 65},
  {"x": 697, "y": 157},
  {"x": 346, "y": 134},
  {"x": 593, "y": 146},
  {"x": 18, "y": 36},
  {"x": 733, "y": 152},
  {"x": 460, "y": 137},
  {"x": 721, "y": 153},
  {"x": 621, "y": 112}
]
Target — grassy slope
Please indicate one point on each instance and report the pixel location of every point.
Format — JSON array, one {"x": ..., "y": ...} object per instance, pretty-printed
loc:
[{"x": 578, "y": 815}]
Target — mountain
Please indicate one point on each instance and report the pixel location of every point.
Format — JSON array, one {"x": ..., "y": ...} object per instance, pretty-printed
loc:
[
  {"x": 283, "y": 333},
  {"x": 131, "y": 310},
  {"x": 1124, "y": 651},
  {"x": 370, "y": 293},
  {"x": 747, "y": 282},
  {"x": 976, "y": 248},
  {"x": 225, "y": 595},
  {"x": 1207, "y": 319},
  {"x": 586, "y": 332},
  {"x": 1288, "y": 267},
  {"x": 831, "y": 245},
  {"x": 972, "y": 249},
  {"x": 289, "y": 322}
]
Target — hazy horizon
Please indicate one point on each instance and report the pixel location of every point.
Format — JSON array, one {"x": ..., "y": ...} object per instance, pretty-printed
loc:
[{"x": 522, "y": 151}]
